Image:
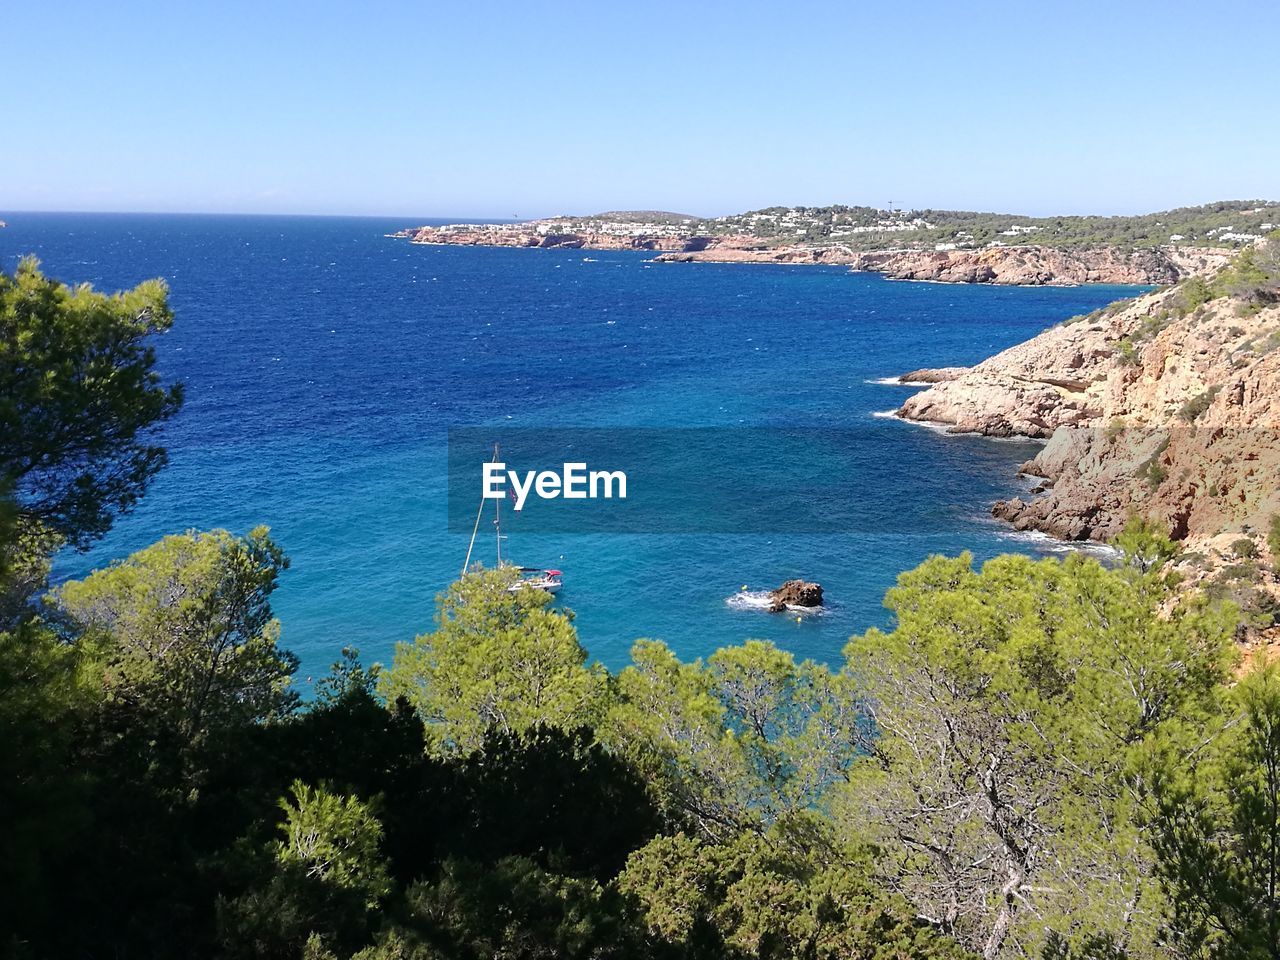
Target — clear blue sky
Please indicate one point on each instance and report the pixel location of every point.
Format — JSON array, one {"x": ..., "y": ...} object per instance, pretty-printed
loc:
[{"x": 535, "y": 108}]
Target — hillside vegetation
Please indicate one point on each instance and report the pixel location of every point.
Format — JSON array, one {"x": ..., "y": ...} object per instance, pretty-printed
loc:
[{"x": 1225, "y": 224}]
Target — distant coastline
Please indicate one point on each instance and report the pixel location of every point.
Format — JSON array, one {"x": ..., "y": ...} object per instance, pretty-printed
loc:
[{"x": 941, "y": 246}]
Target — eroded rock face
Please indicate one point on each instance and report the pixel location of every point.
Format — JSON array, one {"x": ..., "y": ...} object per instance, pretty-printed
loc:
[
  {"x": 1147, "y": 408},
  {"x": 795, "y": 593}
]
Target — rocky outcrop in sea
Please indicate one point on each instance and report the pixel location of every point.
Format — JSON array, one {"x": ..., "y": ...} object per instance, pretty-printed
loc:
[{"x": 795, "y": 593}]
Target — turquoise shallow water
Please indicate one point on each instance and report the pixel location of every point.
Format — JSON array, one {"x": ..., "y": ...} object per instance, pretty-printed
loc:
[{"x": 325, "y": 362}]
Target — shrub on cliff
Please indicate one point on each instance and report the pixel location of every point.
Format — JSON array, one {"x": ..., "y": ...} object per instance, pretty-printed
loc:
[
  {"x": 1197, "y": 405},
  {"x": 1244, "y": 548},
  {"x": 1252, "y": 277},
  {"x": 1193, "y": 293},
  {"x": 1127, "y": 353}
]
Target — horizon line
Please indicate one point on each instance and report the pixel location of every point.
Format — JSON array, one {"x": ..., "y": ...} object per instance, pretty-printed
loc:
[{"x": 520, "y": 219}]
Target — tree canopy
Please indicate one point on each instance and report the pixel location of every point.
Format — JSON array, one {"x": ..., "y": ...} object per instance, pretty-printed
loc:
[
  {"x": 1010, "y": 708},
  {"x": 78, "y": 394},
  {"x": 498, "y": 658},
  {"x": 185, "y": 628}
]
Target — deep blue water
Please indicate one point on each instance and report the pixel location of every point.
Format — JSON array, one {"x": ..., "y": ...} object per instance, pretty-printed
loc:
[{"x": 324, "y": 363}]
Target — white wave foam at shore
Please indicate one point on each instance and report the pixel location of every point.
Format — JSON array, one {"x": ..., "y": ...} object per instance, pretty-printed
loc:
[
  {"x": 1042, "y": 542},
  {"x": 897, "y": 382}
]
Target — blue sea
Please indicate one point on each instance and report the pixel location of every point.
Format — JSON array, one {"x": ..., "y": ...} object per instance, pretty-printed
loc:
[{"x": 325, "y": 362}]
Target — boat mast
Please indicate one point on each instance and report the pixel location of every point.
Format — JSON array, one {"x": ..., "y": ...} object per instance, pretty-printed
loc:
[
  {"x": 497, "y": 514},
  {"x": 466, "y": 564}
]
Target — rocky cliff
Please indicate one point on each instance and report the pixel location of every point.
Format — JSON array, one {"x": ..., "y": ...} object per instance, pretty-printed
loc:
[
  {"x": 1027, "y": 265},
  {"x": 1166, "y": 406},
  {"x": 1012, "y": 265},
  {"x": 1022, "y": 264},
  {"x": 1037, "y": 265}
]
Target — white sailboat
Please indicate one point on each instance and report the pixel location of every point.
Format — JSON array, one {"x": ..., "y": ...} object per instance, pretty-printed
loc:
[{"x": 528, "y": 578}]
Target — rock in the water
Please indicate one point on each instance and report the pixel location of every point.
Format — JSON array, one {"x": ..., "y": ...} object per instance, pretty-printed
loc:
[
  {"x": 795, "y": 593},
  {"x": 933, "y": 375}
]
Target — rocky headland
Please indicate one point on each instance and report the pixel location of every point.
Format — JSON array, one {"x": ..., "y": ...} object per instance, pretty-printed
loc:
[
  {"x": 519, "y": 235},
  {"x": 1012, "y": 265},
  {"x": 1166, "y": 406},
  {"x": 938, "y": 246}
]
